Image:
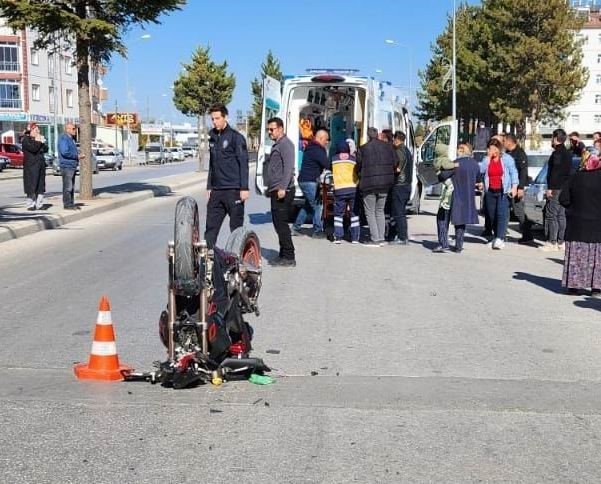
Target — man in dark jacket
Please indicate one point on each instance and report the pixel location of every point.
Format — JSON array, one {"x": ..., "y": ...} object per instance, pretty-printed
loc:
[
  {"x": 281, "y": 189},
  {"x": 34, "y": 167},
  {"x": 576, "y": 146},
  {"x": 560, "y": 167},
  {"x": 68, "y": 157},
  {"x": 521, "y": 163},
  {"x": 376, "y": 161},
  {"x": 315, "y": 160},
  {"x": 401, "y": 190},
  {"x": 227, "y": 183}
]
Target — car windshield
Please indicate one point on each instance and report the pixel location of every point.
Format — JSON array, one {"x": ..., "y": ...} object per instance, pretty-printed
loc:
[
  {"x": 535, "y": 161},
  {"x": 153, "y": 149},
  {"x": 105, "y": 153},
  {"x": 541, "y": 178}
]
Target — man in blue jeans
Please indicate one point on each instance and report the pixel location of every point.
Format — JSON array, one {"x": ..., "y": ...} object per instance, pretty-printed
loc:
[
  {"x": 315, "y": 160},
  {"x": 68, "y": 157}
]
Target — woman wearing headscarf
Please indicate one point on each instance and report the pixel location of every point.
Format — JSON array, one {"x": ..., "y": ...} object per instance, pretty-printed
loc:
[
  {"x": 34, "y": 167},
  {"x": 581, "y": 196}
]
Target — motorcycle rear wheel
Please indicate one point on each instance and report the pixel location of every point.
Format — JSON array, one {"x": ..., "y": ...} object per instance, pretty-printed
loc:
[{"x": 244, "y": 243}]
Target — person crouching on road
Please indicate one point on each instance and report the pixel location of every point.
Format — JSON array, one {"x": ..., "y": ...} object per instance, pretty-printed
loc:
[
  {"x": 34, "y": 167},
  {"x": 69, "y": 157},
  {"x": 500, "y": 184},
  {"x": 344, "y": 171},
  {"x": 581, "y": 197},
  {"x": 376, "y": 161},
  {"x": 315, "y": 161},
  {"x": 281, "y": 189},
  {"x": 227, "y": 183}
]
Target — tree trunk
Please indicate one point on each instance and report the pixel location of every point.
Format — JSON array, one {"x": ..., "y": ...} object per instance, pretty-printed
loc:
[
  {"x": 199, "y": 150},
  {"x": 85, "y": 115}
]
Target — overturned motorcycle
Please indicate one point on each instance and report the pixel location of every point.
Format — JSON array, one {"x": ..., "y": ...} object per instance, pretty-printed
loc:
[{"x": 209, "y": 290}]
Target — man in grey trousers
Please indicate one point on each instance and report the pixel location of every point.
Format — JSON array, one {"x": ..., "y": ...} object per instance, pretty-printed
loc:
[
  {"x": 376, "y": 161},
  {"x": 280, "y": 187}
]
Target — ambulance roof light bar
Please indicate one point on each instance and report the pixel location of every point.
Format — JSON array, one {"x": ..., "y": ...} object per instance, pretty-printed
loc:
[{"x": 344, "y": 72}]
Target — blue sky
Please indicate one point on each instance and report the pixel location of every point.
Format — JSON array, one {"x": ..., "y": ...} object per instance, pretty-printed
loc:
[{"x": 302, "y": 34}]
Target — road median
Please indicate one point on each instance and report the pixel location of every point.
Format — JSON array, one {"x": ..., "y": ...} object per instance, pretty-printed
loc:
[{"x": 17, "y": 222}]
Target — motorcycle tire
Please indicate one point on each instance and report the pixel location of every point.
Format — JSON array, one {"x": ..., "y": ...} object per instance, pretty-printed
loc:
[
  {"x": 244, "y": 244},
  {"x": 186, "y": 234}
]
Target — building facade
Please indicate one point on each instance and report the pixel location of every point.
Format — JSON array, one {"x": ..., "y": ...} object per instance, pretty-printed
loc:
[{"x": 40, "y": 86}]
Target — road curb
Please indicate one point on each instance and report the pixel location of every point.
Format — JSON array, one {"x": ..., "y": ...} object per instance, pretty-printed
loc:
[{"x": 18, "y": 229}]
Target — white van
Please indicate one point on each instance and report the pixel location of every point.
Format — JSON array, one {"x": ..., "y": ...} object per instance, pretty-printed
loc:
[{"x": 340, "y": 101}]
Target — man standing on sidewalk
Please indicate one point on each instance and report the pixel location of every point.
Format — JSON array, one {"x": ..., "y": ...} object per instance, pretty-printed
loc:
[
  {"x": 560, "y": 167},
  {"x": 401, "y": 191},
  {"x": 521, "y": 163},
  {"x": 227, "y": 183},
  {"x": 376, "y": 162},
  {"x": 68, "y": 157},
  {"x": 280, "y": 180}
]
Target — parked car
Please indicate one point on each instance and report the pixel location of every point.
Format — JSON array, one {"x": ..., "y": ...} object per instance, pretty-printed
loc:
[
  {"x": 49, "y": 159},
  {"x": 108, "y": 159},
  {"x": 189, "y": 150},
  {"x": 154, "y": 153},
  {"x": 4, "y": 162},
  {"x": 536, "y": 160},
  {"x": 13, "y": 153},
  {"x": 534, "y": 194},
  {"x": 56, "y": 169},
  {"x": 177, "y": 153}
]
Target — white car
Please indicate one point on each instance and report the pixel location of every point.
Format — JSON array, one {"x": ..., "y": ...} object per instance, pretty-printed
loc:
[{"x": 177, "y": 153}]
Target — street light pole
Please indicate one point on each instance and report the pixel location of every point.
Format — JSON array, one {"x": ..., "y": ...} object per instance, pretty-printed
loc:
[{"x": 454, "y": 60}]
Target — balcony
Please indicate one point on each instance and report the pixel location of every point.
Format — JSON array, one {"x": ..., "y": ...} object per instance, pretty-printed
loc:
[
  {"x": 10, "y": 103},
  {"x": 9, "y": 66}
]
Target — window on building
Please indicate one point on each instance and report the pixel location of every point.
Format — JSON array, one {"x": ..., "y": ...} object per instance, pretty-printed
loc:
[
  {"x": 68, "y": 65},
  {"x": 575, "y": 119},
  {"x": 10, "y": 94},
  {"x": 598, "y": 78},
  {"x": 597, "y": 98},
  {"x": 35, "y": 57},
  {"x": 9, "y": 57},
  {"x": 51, "y": 65},
  {"x": 597, "y": 118},
  {"x": 69, "y": 98},
  {"x": 51, "y": 100},
  {"x": 35, "y": 92}
]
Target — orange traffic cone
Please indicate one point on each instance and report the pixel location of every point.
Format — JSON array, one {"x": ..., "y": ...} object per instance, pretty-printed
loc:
[{"x": 104, "y": 361}]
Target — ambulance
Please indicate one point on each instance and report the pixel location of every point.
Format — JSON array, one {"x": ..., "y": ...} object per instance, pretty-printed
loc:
[{"x": 343, "y": 103}]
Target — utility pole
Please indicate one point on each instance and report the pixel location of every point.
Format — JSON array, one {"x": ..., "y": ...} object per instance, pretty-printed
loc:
[{"x": 115, "y": 120}]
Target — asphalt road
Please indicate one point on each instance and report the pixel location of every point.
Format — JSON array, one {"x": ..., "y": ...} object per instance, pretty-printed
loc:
[
  {"x": 429, "y": 368},
  {"x": 11, "y": 190}
]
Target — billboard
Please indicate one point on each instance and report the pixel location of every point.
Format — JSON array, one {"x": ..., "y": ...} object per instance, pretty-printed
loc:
[{"x": 122, "y": 119}]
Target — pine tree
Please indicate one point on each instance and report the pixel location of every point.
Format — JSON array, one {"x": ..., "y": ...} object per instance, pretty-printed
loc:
[
  {"x": 202, "y": 84},
  {"x": 97, "y": 28},
  {"x": 271, "y": 68}
]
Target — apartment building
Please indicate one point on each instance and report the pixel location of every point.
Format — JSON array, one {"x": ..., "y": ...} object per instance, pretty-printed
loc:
[{"x": 40, "y": 86}]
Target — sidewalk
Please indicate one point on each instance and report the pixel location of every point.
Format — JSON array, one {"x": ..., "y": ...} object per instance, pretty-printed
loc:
[{"x": 17, "y": 222}]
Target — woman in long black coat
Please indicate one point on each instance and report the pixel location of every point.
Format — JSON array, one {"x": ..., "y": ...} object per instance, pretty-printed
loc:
[
  {"x": 463, "y": 206},
  {"x": 581, "y": 195},
  {"x": 34, "y": 167}
]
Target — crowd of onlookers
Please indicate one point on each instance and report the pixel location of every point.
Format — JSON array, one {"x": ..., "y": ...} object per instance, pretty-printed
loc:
[{"x": 375, "y": 180}]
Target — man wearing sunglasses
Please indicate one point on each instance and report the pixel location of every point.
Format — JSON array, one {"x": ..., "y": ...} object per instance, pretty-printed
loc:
[{"x": 280, "y": 181}]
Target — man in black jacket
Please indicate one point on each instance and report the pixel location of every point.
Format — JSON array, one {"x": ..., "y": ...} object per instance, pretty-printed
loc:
[
  {"x": 560, "y": 167},
  {"x": 281, "y": 189},
  {"x": 376, "y": 162},
  {"x": 521, "y": 163},
  {"x": 227, "y": 183}
]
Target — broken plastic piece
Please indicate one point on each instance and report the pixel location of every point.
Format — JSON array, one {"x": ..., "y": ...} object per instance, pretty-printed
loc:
[{"x": 261, "y": 379}]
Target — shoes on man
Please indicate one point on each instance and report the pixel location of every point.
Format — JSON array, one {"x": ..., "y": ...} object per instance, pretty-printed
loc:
[
  {"x": 356, "y": 242},
  {"x": 338, "y": 241},
  {"x": 498, "y": 244},
  {"x": 549, "y": 247},
  {"x": 318, "y": 235},
  {"x": 71, "y": 207},
  {"x": 561, "y": 246},
  {"x": 526, "y": 241},
  {"x": 371, "y": 243},
  {"x": 440, "y": 249},
  {"x": 282, "y": 262},
  {"x": 457, "y": 250},
  {"x": 399, "y": 242}
]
